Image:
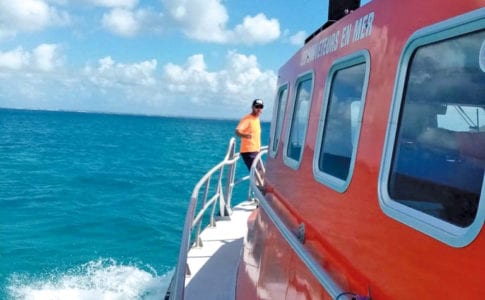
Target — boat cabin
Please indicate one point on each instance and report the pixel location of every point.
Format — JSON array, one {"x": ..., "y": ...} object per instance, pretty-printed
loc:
[{"x": 376, "y": 160}]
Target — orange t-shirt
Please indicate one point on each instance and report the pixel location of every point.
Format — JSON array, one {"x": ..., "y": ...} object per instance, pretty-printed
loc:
[{"x": 250, "y": 124}]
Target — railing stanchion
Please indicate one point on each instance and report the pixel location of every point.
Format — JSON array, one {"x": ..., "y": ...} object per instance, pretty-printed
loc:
[
  {"x": 222, "y": 203},
  {"x": 231, "y": 175}
]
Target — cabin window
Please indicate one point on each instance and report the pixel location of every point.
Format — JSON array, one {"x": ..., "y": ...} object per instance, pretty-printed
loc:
[
  {"x": 299, "y": 121},
  {"x": 280, "y": 106},
  {"x": 341, "y": 118},
  {"x": 436, "y": 157}
]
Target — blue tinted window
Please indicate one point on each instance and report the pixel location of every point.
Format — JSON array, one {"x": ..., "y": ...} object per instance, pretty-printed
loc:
[
  {"x": 299, "y": 120},
  {"x": 438, "y": 160},
  {"x": 280, "y": 114},
  {"x": 342, "y": 121}
]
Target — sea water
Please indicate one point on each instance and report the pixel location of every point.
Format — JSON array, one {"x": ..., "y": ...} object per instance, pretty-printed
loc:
[{"x": 92, "y": 205}]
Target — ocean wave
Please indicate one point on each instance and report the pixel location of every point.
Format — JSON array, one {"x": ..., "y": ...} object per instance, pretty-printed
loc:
[{"x": 101, "y": 279}]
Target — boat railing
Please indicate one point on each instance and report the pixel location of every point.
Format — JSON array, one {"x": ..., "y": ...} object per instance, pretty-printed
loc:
[
  {"x": 212, "y": 193},
  {"x": 292, "y": 238}
]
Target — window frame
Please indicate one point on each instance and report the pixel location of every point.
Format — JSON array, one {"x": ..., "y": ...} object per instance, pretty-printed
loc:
[
  {"x": 343, "y": 63},
  {"x": 290, "y": 162},
  {"x": 436, "y": 228},
  {"x": 277, "y": 117}
]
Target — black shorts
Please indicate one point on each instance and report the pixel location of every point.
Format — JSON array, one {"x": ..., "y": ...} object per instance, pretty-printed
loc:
[{"x": 248, "y": 158}]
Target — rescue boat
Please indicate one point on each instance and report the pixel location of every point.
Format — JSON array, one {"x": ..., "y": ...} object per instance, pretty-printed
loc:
[{"x": 372, "y": 185}]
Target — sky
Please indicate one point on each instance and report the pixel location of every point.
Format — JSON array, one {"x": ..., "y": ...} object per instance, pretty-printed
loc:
[{"x": 191, "y": 58}]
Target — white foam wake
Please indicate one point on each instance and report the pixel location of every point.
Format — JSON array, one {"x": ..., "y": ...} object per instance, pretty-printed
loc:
[{"x": 103, "y": 279}]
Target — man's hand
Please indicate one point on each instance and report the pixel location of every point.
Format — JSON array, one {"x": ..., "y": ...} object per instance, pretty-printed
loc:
[{"x": 244, "y": 135}]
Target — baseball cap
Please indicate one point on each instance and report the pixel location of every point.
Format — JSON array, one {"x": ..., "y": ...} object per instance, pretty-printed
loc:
[{"x": 257, "y": 102}]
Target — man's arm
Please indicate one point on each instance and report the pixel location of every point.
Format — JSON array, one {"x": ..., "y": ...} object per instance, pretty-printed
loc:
[{"x": 243, "y": 135}]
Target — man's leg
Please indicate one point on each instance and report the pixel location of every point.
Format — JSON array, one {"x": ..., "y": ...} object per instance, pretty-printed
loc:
[{"x": 248, "y": 158}]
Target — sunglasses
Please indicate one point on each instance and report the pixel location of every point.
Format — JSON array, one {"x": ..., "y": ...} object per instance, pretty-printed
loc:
[{"x": 258, "y": 106}]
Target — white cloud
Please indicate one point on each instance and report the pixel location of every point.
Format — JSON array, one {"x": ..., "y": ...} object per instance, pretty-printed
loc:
[
  {"x": 240, "y": 79},
  {"x": 121, "y": 22},
  {"x": 298, "y": 39},
  {"x": 257, "y": 29},
  {"x": 189, "y": 89},
  {"x": 115, "y": 3},
  {"x": 206, "y": 20},
  {"x": 192, "y": 78},
  {"x": 129, "y": 23},
  {"x": 45, "y": 58},
  {"x": 203, "y": 20},
  {"x": 28, "y": 77},
  {"x": 28, "y": 16},
  {"x": 109, "y": 74},
  {"x": 244, "y": 77},
  {"x": 14, "y": 59}
]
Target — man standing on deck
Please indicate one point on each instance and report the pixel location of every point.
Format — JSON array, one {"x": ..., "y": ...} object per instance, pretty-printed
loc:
[{"x": 249, "y": 130}]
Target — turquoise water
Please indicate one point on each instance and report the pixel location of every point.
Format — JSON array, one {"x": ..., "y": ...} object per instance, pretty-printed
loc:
[{"x": 92, "y": 205}]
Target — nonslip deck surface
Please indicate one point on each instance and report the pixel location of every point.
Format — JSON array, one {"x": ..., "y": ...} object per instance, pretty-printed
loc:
[{"x": 213, "y": 267}]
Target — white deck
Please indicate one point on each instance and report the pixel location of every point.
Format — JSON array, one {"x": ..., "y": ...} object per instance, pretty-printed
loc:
[{"x": 213, "y": 267}]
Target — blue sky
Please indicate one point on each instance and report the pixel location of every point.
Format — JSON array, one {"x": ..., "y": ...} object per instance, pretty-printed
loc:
[{"x": 199, "y": 58}]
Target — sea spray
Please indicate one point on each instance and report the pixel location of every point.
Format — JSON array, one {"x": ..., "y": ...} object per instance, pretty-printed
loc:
[{"x": 101, "y": 279}]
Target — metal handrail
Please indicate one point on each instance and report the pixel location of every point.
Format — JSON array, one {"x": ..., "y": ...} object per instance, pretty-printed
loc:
[
  {"x": 223, "y": 193},
  {"x": 256, "y": 190},
  {"x": 315, "y": 268}
]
